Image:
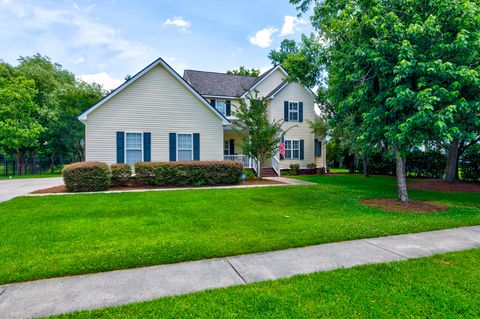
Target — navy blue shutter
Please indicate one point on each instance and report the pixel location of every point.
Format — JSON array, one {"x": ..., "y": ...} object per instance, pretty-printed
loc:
[
  {"x": 196, "y": 146},
  {"x": 232, "y": 147},
  {"x": 302, "y": 152},
  {"x": 229, "y": 108},
  {"x": 300, "y": 111},
  {"x": 212, "y": 103},
  {"x": 173, "y": 146},
  {"x": 120, "y": 147},
  {"x": 285, "y": 111},
  {"x": 318, "y": 147},
  {"x": 147, "y": 153}
]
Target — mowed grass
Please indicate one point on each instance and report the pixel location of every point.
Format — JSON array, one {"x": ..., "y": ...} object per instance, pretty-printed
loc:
[
  {"x": 75, "y": 234},
  {"x": 442, "y": 286}
]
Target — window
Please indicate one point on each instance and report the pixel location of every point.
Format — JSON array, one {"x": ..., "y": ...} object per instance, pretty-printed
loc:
[
  {"x": 184, "y": 147},
  {"x": 134, "y": 148},
  {"x": 221, "y": 106},
  {"x": 293, "y": 111},
  {"x": 226, "y": 147},
  {"x": 292, "y": 149}
]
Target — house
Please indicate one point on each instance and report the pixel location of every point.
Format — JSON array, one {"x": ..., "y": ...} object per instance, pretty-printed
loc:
[{"x": 159, "y": 116}]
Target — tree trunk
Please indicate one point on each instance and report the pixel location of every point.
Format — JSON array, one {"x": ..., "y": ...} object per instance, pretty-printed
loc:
[
  {"x": 259, "y": 169},
  {"x": 20, "y": 161},
  {"x": 365, "y": 166},
  {"x": 452, "y": 162},
  {"x": 401, "y": 180}
]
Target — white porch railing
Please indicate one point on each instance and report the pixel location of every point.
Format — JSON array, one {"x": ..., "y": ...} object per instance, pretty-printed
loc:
[
  {"x": 276, "y": 165},
  {"x": 245, "y": 160}
]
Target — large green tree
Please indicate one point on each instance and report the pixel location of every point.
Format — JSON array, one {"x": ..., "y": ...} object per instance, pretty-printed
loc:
[
  {"x": 19, "y": 127},
  {"x": 408, "y": 70}
]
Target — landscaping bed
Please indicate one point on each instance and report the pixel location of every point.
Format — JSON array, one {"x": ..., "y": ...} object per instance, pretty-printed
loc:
[
  {"x": 139, "y": 186},
  {"x": 413, "y": 206},
  {"x": 437, "y": 185}
]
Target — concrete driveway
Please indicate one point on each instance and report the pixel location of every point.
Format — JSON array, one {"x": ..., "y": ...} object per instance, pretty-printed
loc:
[{"x": 18, "y": 187}]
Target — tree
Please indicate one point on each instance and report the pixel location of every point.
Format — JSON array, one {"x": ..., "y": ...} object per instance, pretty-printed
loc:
[
  {"x": 19, "y": 127},
  {"x": 302, "y": 61},
  {"x": 405, "y": 68},
  {"x": 260, "y": 137},
  {"x": 244, "y": 71}
]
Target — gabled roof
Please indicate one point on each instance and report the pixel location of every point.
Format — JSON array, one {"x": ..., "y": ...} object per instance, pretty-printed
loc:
[
  {"x": 265, "y": 75},
  {"x": 167, "y": 67},
  {"x": 218, "y": 84},
  {"x": 282, "y": 85}
]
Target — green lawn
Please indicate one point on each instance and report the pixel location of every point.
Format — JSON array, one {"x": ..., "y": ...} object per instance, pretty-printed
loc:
[
  {"x": 43, "y": 175},
  {"x": 75, "y": 234},
  {"x": 442, "y": 286}
]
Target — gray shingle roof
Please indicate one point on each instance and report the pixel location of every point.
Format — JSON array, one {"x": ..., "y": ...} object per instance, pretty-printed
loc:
[{"x": 221, "y": 84}]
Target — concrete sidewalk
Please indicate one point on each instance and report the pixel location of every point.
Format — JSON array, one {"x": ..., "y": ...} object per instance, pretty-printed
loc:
[
  {"x": 12, "y": 188},
  {"x": 61, "y": 295}
]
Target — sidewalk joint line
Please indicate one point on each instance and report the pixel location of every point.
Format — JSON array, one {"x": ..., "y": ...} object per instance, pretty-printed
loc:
[
  {"x": 236, "y": 271},
  {"x": 392, "y": 252}
]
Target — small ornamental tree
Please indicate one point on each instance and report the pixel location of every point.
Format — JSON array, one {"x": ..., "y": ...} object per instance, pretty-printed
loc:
[{"x": 259, "y": 135}]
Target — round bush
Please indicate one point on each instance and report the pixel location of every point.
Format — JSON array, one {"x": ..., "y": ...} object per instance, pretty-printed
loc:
[
  {"x": 120, "y": 174},
  {"x": 86, "y": 177}
]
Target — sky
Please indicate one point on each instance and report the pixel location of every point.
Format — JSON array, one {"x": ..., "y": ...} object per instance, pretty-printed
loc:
[{"x": 103, "y": 41}]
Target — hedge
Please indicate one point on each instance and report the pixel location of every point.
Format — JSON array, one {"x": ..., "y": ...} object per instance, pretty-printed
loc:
[
  {"x": 195, "y": 173},
  {"x": 86, "y": 177},
  {"x": 121, "y": 174},
  {"x": 470, "y": 163}
]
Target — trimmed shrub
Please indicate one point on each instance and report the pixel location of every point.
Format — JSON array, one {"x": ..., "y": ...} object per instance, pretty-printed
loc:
[
  {"x": 311, "y": 169},
  {"x": 249, "y": 174},
  {"x": 189, "y": 173},
  {"x": 294, "y": 168},
  {"x": 470, "y": 163},
  {"x": 121, "y": 174},
  {"x": 86, "y": 177},
  {"x": 425, "y": 164}
]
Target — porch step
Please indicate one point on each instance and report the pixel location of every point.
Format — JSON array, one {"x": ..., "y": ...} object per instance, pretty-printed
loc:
[{"x": 269, "y": 172}]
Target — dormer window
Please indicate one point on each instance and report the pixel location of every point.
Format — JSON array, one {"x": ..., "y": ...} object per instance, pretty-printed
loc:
[{"x": 221, "y": 106}]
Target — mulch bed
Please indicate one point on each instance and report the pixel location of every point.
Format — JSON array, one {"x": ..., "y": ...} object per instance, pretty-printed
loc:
[
  {"x": 135, "y": 186},
  {"x": 437, "y": 185},
  {"x": 414, "y": 206}
]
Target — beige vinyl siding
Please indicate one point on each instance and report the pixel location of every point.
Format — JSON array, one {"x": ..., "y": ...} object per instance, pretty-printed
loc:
[
  {"x": 294, "y": 92},
  {"x": 270, "y": 82},
  {"x": 156, "y": 103}
]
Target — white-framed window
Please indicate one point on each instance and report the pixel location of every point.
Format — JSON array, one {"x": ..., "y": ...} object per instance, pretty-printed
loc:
[
  {"x": 221, "y": 106},
  {"x": 292, "y": 149},
  {"x": 184, "y": 147},
  {"x": 226, "y": 147},
  {"x": 133, "y": 147},
  {"x": 293, "y": 111}
]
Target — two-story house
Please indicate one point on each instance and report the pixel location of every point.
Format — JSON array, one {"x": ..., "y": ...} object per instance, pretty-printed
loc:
[{"x": 159, "y": 116}]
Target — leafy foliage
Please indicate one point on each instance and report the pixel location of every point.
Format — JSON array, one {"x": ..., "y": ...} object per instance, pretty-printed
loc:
[
  {"x": 259, "y": 135},
  {"x": 86, "y": 177},
  {"x": 470, "y": 163},
  {"x": 244, "y": 71},
  {"x": 121, "y": 174},
  {"x": 188, "y": 173},
  {"x": 404, "y": 71}
]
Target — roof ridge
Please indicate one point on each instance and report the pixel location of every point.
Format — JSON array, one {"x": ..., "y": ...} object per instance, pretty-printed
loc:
[{"x": 224, "y": 73}]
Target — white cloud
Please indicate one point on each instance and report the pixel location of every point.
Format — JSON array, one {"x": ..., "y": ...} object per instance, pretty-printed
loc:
[
  {"x": 79, "y": 60},
  {"x": 263, "y": 38},
  {"x": 290, "y": 25},
  {"x": 102, "y": 78},
  {"x": 178, "y": 22}
]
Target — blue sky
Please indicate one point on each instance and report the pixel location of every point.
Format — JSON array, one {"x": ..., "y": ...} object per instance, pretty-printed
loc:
[{"x": 105, "y": 40}]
